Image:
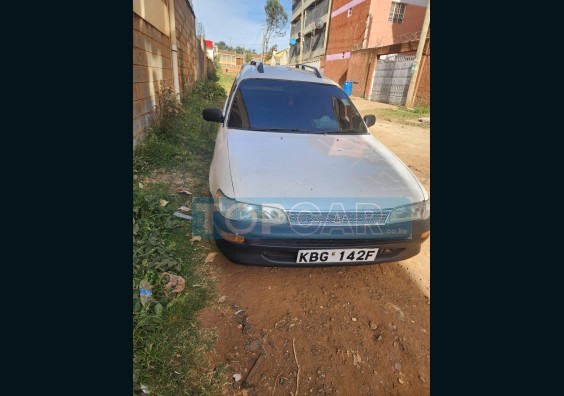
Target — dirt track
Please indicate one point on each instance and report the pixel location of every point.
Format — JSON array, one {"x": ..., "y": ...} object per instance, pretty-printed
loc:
[{"x": 353, "y": 330}]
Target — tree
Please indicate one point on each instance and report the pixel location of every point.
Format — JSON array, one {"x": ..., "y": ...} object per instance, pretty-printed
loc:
[
  {"x": 222, "y": 46},
  {"x": 276, "y": 19}
]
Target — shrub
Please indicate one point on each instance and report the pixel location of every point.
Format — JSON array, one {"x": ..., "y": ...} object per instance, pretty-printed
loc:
[
  {"x": 167, "y": 110},
  {"x": 208, "y": 90}
]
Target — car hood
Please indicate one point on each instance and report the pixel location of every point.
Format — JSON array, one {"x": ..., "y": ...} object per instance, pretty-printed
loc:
[{"x": 288, "y": 168}]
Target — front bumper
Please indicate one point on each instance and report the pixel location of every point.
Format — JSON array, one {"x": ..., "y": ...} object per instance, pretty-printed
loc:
[{"x": 280, "y": 246}]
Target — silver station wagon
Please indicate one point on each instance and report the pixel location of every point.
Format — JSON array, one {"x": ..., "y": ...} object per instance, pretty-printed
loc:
[{"x": 298, "y": 180}]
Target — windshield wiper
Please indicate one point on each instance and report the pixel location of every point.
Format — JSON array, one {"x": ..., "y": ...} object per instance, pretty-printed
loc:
[
  {"x": 283, "y": 130},
  {"x": 345, "y": 132}
]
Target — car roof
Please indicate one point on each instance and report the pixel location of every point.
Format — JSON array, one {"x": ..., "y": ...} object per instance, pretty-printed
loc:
[{"x": 290, "y": 73}]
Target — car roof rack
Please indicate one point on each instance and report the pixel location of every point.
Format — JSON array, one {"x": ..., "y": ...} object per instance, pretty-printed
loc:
[
  {"x": 309, "y": 67},
  {"x": 259, "y": 66}
]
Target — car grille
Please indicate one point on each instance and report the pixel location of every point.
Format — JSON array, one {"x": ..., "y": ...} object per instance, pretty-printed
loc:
[{"x": 303, "y": 218}]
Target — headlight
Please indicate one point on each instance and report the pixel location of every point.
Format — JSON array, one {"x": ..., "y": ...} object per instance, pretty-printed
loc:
[
  {"x": 234, "y": 210},
  {"x": 416, "y": 211}
]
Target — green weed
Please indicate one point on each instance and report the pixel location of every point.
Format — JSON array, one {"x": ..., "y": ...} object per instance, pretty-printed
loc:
[
  {"x": 168, "y": 343},
  {"x": 225, "y": 80},
  {"x": 404, "y": 116}
]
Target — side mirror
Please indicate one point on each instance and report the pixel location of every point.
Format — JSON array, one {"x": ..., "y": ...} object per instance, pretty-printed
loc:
[
  {"x": 369, "y": 120},
  {"x": 212, "y": 114}
]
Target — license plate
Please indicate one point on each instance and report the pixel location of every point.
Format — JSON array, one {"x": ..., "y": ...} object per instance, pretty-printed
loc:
[{"x": 336, "y": 256}]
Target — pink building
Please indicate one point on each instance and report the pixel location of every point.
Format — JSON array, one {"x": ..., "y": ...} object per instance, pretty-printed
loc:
[
  {"x": 396, "y": 21},
  {"x": 363, "y": 33}
]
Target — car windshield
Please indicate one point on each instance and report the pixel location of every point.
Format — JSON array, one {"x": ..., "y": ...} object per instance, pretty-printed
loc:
[{"x": 292, "y": 106}]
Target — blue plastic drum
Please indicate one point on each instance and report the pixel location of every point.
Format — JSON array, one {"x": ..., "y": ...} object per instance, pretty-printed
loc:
[{"x": 348, "y": 87}]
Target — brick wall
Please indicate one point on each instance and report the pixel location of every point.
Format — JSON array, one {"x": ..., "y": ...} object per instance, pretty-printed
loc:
[
  {"x": 152, "y": 57},
  {"x": 151, "y": 63},
  {"x": 363, "y": 62},
  {"x": 346, "y": 34},
  {"x": 361, "y": 70},
  {"x": 336, "y": 70},
  {"x": 423, "y": 89}
]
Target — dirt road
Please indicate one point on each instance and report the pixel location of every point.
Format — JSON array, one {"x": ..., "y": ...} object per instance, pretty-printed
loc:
[{"x": 340, "y": 330}]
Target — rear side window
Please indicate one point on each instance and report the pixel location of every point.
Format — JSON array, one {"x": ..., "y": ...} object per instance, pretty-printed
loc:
[{"x": 280, "y": 105}]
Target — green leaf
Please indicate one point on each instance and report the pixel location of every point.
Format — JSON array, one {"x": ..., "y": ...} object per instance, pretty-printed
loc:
[{"x": 158, "y": 309}]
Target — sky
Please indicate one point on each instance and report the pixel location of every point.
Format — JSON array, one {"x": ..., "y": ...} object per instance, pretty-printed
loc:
[{"x": 238, "y": 22}]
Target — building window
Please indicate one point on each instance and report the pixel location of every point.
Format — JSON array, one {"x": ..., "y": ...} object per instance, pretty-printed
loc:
[
  {"x": 350, "y": 12},
  {"x": 396, "y": 12}
]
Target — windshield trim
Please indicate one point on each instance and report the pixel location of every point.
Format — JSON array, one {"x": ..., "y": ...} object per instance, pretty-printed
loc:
[{"x": 292, "y": 130}]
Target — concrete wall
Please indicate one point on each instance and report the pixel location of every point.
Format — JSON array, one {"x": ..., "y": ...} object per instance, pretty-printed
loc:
[{"x": 152, "y": 56}]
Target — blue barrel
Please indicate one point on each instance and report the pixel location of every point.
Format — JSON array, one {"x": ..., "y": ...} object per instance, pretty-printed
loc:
[{"x": 348, "y": 87}]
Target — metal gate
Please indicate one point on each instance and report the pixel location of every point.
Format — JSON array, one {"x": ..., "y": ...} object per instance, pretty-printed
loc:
[{"x": 391, "y": 79}]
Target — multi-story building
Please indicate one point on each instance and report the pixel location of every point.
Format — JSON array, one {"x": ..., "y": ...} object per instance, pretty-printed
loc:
[
  {"x": 347, "y": 32},
  {"x": 313, "y": 40},
  {"x": 359, "y": 25},
  {"x": 395, "y": 21}
]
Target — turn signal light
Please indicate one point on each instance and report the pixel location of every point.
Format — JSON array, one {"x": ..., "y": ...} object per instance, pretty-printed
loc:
[
  {"x": 231, "y": 237},
  {"x": 425, "y": 234}
]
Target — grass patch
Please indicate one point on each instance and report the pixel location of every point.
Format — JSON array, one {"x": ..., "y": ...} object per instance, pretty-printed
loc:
[
  {"x": 168, "y": 344},
  {"x": 404, "y": 116},
  {"x": 225, "y": 80}
]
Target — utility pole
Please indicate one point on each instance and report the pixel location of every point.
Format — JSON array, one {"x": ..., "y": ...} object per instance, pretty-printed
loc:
[
  {"x": 262, "y": 46},
  {"x": 422, "y": 39},
  {"x": 302, "y": 33}
]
